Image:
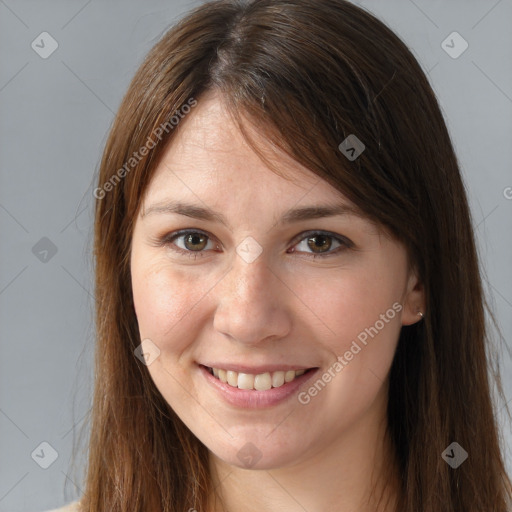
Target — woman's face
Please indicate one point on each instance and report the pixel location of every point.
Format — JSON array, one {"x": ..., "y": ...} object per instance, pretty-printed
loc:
[{"x": 261, "y": 292}]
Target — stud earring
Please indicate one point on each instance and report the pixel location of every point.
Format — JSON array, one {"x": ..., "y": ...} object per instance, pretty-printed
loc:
[{"x": 420, "y": 314}]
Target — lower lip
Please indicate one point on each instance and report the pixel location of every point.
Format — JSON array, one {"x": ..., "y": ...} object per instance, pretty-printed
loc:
[{"x": 253, "y": 399}]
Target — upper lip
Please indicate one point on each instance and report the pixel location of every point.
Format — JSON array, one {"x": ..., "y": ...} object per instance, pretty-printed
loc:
[{"x": 256, "y": 370}]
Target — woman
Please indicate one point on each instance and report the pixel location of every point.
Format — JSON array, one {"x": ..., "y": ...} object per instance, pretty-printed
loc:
[{"x": 289, "y": 307}]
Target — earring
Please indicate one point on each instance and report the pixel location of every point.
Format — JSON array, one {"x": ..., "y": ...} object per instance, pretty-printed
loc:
[{"x": 420, "y": 314}]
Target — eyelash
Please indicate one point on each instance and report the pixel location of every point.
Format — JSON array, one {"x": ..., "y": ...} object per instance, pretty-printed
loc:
[{"x": 168, "y": 239}]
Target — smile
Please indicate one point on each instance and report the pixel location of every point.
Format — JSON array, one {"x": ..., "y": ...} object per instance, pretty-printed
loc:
[
  {"x": 260, "y": 382},
  {"x": 259, "y": 389}
]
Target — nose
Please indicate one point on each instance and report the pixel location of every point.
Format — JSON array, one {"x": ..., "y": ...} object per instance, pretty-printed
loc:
[{"x": 252, "y": 303}]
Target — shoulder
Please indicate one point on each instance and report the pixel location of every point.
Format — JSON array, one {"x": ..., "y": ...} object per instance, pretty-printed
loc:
[{"x": 71, "y": 507}]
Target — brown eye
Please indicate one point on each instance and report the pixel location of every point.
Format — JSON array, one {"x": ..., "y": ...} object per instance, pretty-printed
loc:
[
  {"x": 314, "y": 244},
  {"x": 187, "y": 242},
  {"x": 320, "y": 243},
  {"x": 195, "y": 241}
]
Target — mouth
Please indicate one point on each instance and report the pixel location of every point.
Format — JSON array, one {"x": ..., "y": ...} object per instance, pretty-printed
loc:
[{"x": 262, "y": 381}]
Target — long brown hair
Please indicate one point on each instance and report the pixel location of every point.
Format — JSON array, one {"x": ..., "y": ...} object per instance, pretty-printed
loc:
[{"x": 308, "y": 74}]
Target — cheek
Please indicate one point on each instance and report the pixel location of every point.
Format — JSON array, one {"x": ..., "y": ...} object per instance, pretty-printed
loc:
[
  {"x": 354, "y": 302},
  {"x": 362, "y": 312},
  {"x": 164, "y": 299},
  {"x": 167, "y": 303}
]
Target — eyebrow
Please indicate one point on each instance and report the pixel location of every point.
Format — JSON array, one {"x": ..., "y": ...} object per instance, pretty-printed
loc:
[{"x": 289, "y": 217}]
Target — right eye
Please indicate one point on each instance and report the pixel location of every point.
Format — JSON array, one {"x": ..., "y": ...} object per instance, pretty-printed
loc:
[{"x": 192, "y": 242}]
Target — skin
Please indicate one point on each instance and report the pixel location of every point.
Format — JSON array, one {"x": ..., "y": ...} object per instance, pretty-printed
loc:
[{"x": 284, "y": 307}]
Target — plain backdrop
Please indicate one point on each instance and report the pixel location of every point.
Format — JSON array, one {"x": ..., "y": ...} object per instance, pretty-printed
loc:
[{"x": 56, "y": 111}]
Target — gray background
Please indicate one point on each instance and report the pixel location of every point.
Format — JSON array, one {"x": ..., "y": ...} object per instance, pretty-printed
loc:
[{"x": 55, "y": 115}]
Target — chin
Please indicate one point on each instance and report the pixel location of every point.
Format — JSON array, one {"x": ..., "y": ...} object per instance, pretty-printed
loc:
[{"x": 253, "y": 450}]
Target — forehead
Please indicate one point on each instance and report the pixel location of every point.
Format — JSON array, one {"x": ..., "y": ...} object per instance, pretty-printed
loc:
[{"x": 209, "y": 156}]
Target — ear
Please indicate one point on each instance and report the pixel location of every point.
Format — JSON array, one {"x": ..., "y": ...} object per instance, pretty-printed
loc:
[{"x": 414, "y": 300}]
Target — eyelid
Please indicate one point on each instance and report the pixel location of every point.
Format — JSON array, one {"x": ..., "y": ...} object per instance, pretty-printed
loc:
[
  {"x": 305, "y": 234},
  {"x": 345, "y": 243}
]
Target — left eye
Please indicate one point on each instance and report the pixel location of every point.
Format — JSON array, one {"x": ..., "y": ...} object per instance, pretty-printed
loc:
[
  {"x": 321, "y": 243},
  {"x": 193, "y": 243}
]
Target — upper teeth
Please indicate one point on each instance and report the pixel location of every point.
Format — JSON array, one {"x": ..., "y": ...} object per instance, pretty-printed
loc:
[{"x": 260, "y": 382}]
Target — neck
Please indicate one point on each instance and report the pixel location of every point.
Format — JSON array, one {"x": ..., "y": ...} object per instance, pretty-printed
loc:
[{"x": 357, "y": 473}]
